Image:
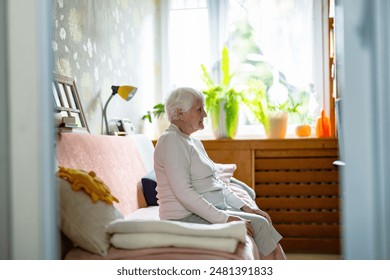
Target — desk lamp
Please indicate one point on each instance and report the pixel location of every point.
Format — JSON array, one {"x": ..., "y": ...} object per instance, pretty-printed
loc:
[{"x": 126, "y": 92}]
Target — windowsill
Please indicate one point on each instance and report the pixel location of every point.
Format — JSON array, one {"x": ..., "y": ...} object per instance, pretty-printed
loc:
[
  {"x": 245, "y": 132},
  {"x": 249, "y": 132}
]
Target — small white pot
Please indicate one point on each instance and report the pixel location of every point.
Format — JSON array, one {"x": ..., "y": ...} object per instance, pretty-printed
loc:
[{"x": 277, "y": 124}]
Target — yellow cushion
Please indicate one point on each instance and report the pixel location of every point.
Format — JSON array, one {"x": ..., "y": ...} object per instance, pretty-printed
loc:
[{"x": 88, "y": 182}]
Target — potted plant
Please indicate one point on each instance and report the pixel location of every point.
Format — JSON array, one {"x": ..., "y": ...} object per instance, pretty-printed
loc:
[
  {"x": 157, "y": 113},
  {"x": 221, "y": 100},
  {"x": 301, "y": 110},
  {"x": 303, "y": 129},
  {"x": 257, "y": 102},
  {"x": 273, "y": 116},
  {"x": 279, "y": 117}
]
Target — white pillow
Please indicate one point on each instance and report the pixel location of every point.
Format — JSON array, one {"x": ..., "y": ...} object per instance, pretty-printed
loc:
[
  {"x": 225, "y": 171},
  {"x": 83, "y": 221}
]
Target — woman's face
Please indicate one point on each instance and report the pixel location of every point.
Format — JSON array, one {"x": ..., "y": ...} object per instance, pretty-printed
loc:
[{"x": 193, "y": 118}]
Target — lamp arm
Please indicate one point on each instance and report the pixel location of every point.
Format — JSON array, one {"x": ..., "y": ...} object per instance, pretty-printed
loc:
[{"x": 104, "y": 112}]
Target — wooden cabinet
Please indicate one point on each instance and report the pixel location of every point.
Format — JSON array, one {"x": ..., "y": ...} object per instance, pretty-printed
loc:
[
  {"x": 295, "y": 182},
  {"x": 239, "y": 152}
]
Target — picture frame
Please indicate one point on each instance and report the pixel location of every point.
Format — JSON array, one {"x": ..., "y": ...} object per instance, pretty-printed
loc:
[{"x": 68, "y": 109}]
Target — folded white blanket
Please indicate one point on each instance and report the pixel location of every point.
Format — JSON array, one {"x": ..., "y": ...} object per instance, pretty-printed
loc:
[
  {"x": 137, "y": 234},
  {"x": 153, "y": 240}
]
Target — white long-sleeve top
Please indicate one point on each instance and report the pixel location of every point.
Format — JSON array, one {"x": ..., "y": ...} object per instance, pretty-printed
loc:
[{"x": 187, "y": 181}]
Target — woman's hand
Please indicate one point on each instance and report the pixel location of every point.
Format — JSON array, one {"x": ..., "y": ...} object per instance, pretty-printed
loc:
[
  {"x": 249, "y": 227},
  {"x": 248, "y": 209}
]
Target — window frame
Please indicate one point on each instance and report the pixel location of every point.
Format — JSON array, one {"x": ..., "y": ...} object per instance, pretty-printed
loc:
[{"x": 323, "y": 30}]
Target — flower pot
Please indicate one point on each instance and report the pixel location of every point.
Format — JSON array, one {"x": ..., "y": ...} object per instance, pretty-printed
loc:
[
  {"x": 162, "y": 123},
  {"x": 277, "y": 124},
  {"x": 224, "y": 121},
  {"x": 156, "y": 128},
  {"x": 303, "y": 130}
]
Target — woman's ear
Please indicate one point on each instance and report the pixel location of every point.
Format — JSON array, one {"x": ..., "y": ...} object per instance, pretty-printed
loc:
[{"x": 180, "y": 114}]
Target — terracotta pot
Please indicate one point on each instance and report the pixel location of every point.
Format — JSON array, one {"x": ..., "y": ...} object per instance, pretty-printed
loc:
[{"x": 303, "y": 130}]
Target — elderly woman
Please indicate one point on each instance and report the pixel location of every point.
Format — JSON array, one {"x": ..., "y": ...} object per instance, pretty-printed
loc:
[{"x": 188, "y": 184}]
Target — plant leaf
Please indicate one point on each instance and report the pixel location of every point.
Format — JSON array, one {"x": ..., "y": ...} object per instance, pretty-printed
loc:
[
  {"x": 225, "y": 68},
  {"x": 158, "y": 110},
  {"x": 147, "y": 116},
  {"x": 206, "y": 78},
  {"x": 257, "y": 102}
]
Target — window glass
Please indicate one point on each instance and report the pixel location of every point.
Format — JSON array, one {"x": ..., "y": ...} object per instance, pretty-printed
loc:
[
  {"x": 188, "y": 41},
  {"x": 272, "y": 41}
]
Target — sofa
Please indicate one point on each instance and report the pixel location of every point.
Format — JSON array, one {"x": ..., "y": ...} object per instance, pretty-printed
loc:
[{"x": 118, "y": 217}]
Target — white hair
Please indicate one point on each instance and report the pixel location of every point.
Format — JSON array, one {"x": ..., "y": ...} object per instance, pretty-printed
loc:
[{"x": 182, "y": 98}]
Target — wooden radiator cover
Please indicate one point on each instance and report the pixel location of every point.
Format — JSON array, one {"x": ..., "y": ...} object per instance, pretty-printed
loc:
[
  {"x": 298, "y": 185},
  {"x": 295, "y": 182}
]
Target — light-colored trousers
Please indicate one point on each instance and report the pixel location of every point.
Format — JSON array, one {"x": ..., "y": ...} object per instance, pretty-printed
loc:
[{"x": 265, "y": 235}]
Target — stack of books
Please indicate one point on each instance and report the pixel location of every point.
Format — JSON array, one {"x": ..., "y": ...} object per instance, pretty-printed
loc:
[{"x": 68, "y": 124}]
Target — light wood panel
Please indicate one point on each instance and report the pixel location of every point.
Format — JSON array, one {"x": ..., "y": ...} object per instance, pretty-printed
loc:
[
  {"x": 301, "y": 176},
  {"x": 246, "y": 153},
  {"x": 293, "y": 203},
  {"x": 294, "y": 163},
  {"x": 294, "y": 153},
  {"x": 291, "y": 189},
  {"x": 242, "y": 157},
  {"x": 299, "y": 187},
  {"x": 304, "y": 217},
  {"x": 309, "y": 231},
  {"x": 306, "y": 245}
]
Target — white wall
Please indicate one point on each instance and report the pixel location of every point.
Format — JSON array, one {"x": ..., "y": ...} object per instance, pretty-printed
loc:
[{"x": 105, "y": 43}]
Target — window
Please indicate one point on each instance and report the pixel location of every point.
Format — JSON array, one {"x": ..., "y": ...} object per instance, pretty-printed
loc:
[
  {"x": 279, "y": 42},
  {"x": 188, "y": 41}
]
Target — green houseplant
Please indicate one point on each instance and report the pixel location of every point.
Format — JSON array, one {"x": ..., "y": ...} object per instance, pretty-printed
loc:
[
  {"x": 221, "y": 100},
  {"x": 272, "y": 116},
  {"x": 278, "y": 117},
  {"x": 157, "y": 114},
  {"x": 303, "y": 129},
  {"x": 257, "y": 102}
]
